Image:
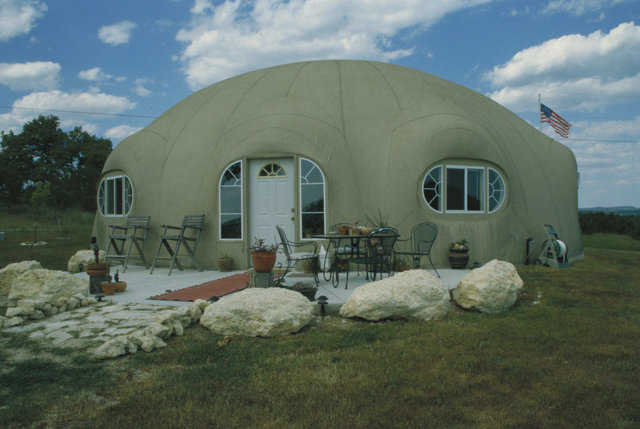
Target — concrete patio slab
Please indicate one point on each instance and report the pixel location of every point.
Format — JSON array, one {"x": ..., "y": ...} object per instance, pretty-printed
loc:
[{"x": 141, "y": 285}]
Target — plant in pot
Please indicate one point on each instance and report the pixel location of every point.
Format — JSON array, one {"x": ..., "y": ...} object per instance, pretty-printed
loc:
[
  {"x": 225, "y": 263},
  {"x": 459, "y": 254},
  {"x": 263, "y": 256}
]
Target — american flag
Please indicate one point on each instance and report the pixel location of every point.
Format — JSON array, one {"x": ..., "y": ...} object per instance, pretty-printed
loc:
[{"x": 556, "y": 121}]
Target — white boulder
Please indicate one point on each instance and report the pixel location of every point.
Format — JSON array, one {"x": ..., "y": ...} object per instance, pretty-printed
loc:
[
  {"x": 257, "y": 312},
  {"x": 492, "y": 288},
  {"x": 9, "y": 273},
  {"x": 115, "y": 347},
  {"x": 79, "y": 261},
  {"x": 413, "y": 294},
  {"x": 42, "y": 286}
]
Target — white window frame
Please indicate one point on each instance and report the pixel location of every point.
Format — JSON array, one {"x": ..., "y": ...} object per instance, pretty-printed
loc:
[
  {"x": 484, "y": 197},
  {"x": 220, "y": 213},
  {"x": 324, "y": 198},
  {"x": 104, "y": 182},
  {"x": 441, "y": 194},
  {"x": 504, "y": 190}
]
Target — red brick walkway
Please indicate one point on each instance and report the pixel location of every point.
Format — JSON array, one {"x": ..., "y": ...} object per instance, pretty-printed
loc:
[{"x": 207, "y": 290}]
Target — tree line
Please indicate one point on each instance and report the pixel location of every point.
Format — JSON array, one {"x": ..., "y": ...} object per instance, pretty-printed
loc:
[
  {"x": 46, "y": 166},
  {"x": 591, "y": 223}
]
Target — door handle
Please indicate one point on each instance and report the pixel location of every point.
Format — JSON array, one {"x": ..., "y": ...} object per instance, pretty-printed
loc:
[
  {"x": 293, "y": 218},
  {"x": 293, "y": 210}
]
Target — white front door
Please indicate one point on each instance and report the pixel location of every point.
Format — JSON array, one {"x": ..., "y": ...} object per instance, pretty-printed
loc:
[{"x": 271, "y": 199}]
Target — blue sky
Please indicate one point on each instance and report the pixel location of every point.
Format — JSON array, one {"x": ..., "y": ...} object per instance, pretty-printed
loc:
[{"x": 136, "y": 59}]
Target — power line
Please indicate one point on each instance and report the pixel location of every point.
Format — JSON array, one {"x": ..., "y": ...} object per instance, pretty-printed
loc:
[
  {"x": 80, "y": 112},
  {"x": 601, "y": 140}
]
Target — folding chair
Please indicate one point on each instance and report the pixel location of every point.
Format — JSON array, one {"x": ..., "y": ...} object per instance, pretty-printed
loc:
[
  {"x": 135, "y": 232},
  {"x": 191, "y": 224},
  {"x": 288, "y": 248},
  {"x": 423, "y": 235}
]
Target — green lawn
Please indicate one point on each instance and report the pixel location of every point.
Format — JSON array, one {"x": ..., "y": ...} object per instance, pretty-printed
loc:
[{"x": 566, "y": 355}]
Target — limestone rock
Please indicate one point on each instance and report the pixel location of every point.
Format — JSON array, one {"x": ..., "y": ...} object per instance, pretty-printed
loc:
[
  {"x": 14, "y": 321},
  {"x": 42, "y": 286},
  {"x": 201, "y": 303},
  {"x": 492, "y": 288},
  {"x": 146, "y": 341},
  {"x": 414, "y": 294},
  {"x": 9, "y": 273},
  {"x": 78, "y": 262},
  {"x": 158, "y": 330},
  {"x": 115, "y": 347},
  {"x": 258, "y": 312}
]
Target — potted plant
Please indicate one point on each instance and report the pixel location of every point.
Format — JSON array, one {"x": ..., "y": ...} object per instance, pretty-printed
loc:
[
  {"x": 263, "y": 256},
  {"x": 225, "y": 263},
  {"x": 459, "y": 254}
]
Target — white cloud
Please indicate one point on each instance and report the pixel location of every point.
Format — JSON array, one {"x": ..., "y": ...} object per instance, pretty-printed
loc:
[
  {"x": 120, "y": 132},
  {"x": 575, "y": 71},
  {"x": 575, "y": 55},
  {"x": 608, "y": 155},
  {"x": 141, "y": 91},
  {"x": 94, "y": 74},
  {"x": 30, "y": 76},
  {"x": 61, "y": 103},
  {"x": 18, "y": 17},
  {"x": 578, "y": 7},
  {"x": 238, "y": 36},
  {"x": 117, "y": 34}
]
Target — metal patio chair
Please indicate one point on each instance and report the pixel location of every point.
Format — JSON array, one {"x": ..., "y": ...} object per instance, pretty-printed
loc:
[
  {"x": 379, "y": 252},
  {"x": 189, "y": 232},
  {"x": 288, "y": 247},
  {"x": 134, "y": 232},
  {"x": 423, "y": 235}
]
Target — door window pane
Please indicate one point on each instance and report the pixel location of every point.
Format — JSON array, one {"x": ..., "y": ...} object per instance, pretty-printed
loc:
[
  {"x": 312, "y": 207},
  {"x": 230, "y": 199},
  {"x": 231, "y": 226}
]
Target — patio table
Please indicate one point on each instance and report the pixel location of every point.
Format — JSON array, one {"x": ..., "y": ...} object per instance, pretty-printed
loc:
[{"x": 344, "y": 253}]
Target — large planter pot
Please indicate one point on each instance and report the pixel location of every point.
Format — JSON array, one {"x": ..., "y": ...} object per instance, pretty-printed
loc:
[
  {"x": 263, "y": 262},
  {"x": 225, "y": 264},
  {"x": 458, "y": 258}
]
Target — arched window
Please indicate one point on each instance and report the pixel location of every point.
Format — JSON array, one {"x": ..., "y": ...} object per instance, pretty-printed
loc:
[
  {"x": 463, "y": 189},
  {"x": 496, "y": 190},
  {"x": 312, "y": 207},
  {"x": 230, "y": 202},
  {"x": 272, "y": 169},
  {"x": 115, "y": 196},
  {"x": 431, "y": 188}
]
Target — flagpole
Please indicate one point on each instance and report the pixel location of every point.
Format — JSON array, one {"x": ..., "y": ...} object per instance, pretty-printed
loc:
[{"x": 539, "y": 122}]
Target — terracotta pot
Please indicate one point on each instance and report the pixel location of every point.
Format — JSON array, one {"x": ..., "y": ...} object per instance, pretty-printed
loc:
[
  {"x": 108, "y": 288},
  {"x": 98, "y": 270},
  {"x": 263, "y": 262},
  {"x": 120, "y": 286},
  {"x": 225, "y": 264},
  {"x": 343, "y": 229},
  {"x": 458, "y": 258}
]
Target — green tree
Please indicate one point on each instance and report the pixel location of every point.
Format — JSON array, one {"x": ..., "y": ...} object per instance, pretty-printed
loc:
[{"x": 69, "y": 162}]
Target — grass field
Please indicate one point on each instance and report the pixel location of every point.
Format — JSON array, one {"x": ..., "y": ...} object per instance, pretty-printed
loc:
[
  {"x": 566, "y": 355},
  {"x": 64, "y": 235}
]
